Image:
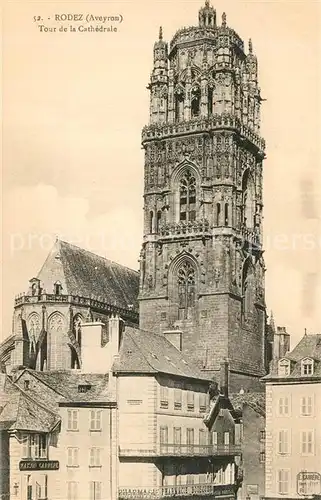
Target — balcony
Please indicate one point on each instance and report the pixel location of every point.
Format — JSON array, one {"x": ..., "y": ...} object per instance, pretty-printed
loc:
[
  {"x": 186, "y": 490},
  {"x": 215, "y": 122},
  {"x": 180, "y": 450},
  {"x": 250, "y": 236},
  {"x": 76, "y": 300},
  {"x": 177, "y": 230}
]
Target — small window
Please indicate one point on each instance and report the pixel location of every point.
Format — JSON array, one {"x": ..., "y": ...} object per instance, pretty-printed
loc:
[
  {"x": 283, "y": 442},
  {"x": 306, "y": 406},
  {"x": 72, "y": 457},
  {"x": 283, "y": 406},
  {"x": 226, "y": 438},
  {"x": 163, "y": 435},
  {"x": 177, "y": 436},
  {"x": 177, "y": 399},
  {"x": 35, "y": 446},
  {"x": 72, "y": 490},
  {"x": 190, "y": 437},
  {"x": 163, "y": 396},
  {"x": 284, "y": 367},
  {"x": 95, "y": 420},
  {"x": 262, "y": 457},
  {"x": 203, "y": 402},
  {"x": 307, "y": 367},
  {"x": 262, "y": 435},
  {"x": 95, "y": 457},
  {"x": 190, "y": 400},
  {"x": 214, "y": 438},
  {"x": 57, "y": 288},
  {"x": 72, "y": 423},
  {"x": 84, "y": 388},
  {"x": 94, "y": 490},
  {"x": 307, "y": 443},
  {"x": 26, "y": 385},
  {"x": 283, "y": 478}
]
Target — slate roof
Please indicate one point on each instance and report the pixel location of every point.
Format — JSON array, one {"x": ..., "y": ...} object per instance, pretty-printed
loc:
[
  {"x": 86, "y": 274},
  {"x": 255, "y": 400},
  {"x": 65, "y": 384},
  {"x": 308, "y": 347},
  {"x": 37, "y": 409},
  {"x": 145, "y": 352},
  {"x": 23, "y": 412}
]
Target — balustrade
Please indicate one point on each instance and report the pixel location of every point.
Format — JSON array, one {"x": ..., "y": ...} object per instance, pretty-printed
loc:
[
  {"x": 217, "y": 121},
  {"x": 185, "y": 228},
  {"x": 181, "y": 450}
]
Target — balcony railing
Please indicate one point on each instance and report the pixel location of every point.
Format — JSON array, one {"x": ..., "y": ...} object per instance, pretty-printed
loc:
[
  {"x": 186, "y": 490},
  {"x": 174, "y": 230},
  {"x": 180, "y": 450},
  {"x": 217, "y": 121},
  {"x": 75, "y": 300},
  {"x": 250, "y": 235}
]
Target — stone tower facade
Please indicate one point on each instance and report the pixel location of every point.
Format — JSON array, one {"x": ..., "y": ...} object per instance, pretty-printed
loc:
[{"x": 202, "y": 267}]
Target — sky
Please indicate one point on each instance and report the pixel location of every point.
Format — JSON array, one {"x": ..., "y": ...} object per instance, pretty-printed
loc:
[{"x": 73, "y": 108}]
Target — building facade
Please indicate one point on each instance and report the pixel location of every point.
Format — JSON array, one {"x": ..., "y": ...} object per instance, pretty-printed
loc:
[
  {"x": 250, "y": 408},
  {"x": 202, "y": 266},
  {"x": 293, "y": 421},
  {"x": 134, "y": 429}
]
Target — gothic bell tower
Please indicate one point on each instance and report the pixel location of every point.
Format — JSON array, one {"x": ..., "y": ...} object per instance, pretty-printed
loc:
[{"x": 202, "y": 267}]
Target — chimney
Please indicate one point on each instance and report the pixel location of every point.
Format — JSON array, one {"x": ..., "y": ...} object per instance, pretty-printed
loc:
[
  {"x": 115, "y": 330},
  {"x": 98, "y": 356},
  {"x": 281, "y": 343},
  {"x": 174, "y": 337},
  {"x": 94, "y": 357},
  {"x": 224, "y": 378}
]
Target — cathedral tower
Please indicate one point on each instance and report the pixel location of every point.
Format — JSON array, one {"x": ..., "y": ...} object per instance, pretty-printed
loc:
[{"x": 202, "y": 267}]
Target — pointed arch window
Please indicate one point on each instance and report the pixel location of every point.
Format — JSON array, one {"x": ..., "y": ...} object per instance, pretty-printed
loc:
[
  {"x": 248, "y": 288},
  {"x": 248, "y": 190},
  {"x": 77, "y": 328},
  {"x": 187, "y": 198},
  {"x": 158, "y": 220},
  {"x": 218, "y": 214},
  {"x": 179, "y": 105},
  {"x": 226, "y": 215},
  {"x": 195, "y": 102},
  {"x": 186, "y": 278},
  {"x": 77, "y": 322},
  {"x": 210, "y": 101},
  {"x": 151, "y": 223},
  {"x": 56, "y": 329},
  {"x": 34, "y": 326}
]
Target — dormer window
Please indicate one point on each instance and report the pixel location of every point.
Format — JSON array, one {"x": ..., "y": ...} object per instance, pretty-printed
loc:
[
  {"x": 33, "y": 289},
  {"x": 57, "y": 288},
  {"x": 284, "y": 367},
  {"x": 84, "y": 387},
  {"x": 307, "y": 367}
]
